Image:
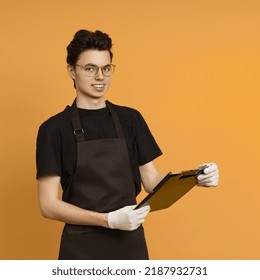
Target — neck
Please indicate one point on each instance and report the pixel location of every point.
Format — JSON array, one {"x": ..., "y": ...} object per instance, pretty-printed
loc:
[{"x": 90, "y": 103}]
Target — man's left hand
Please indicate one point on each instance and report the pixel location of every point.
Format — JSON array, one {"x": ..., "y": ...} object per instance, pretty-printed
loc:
[{"x": 210, "y": 175}]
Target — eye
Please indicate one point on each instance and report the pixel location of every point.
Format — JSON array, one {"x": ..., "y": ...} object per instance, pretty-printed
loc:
[
  {"x": 107, "y": 68},
  {"x": 90, "y": 68}
]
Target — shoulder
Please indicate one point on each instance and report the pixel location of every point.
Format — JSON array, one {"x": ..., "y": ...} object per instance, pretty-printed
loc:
[
  {"x": 125, "y": 112},
  {"x": 57, "y": 125},
  {"x": 57, "y": 121}
]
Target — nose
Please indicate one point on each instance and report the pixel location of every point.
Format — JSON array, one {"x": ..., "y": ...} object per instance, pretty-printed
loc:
[{"x": 99, "y": 75}]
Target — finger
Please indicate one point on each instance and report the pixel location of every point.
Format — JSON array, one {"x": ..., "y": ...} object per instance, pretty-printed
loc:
[
  {"x": 204, "y": 166},
  {"x": 209, "y": 184},
  {"x": 134, "y": 227},
  {"x": 141, "y": 216},
  {"x": 143, "y": 209},
  {"x": 212, "y": 167},
  {"x": 208, "y": 178},
  {"x": 208, "y": 175},
  {"x": 140, "y": 221},
  {"x": 144, "y": 212},
  {"x": 130, "y": 207},
  {"x": 211, "y": 181},
  {"x": 206, "y": 183}
]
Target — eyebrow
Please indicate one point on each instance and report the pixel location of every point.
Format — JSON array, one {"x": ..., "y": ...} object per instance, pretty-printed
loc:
[{"x": 91, "y": 64}]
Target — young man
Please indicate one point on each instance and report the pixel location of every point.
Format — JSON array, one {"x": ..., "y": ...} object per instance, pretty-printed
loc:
[{"x": 99, "y": 153}]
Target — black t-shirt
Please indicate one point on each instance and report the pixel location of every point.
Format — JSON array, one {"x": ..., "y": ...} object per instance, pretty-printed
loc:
[{"x": 56, "y": 152}]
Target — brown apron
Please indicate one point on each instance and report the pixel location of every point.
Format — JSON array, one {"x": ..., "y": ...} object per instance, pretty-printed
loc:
[{"x": 103, "y": 182}]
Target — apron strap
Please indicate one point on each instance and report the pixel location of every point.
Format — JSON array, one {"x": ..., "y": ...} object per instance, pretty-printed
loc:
[
  {"x": 77, "y": 127},
  {"x": 79, "y": 131},
  {"x": 116, "y": 121}
]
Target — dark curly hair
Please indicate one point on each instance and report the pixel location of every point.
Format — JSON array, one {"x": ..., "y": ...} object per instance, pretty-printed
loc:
[{"x": 87, "y": 40}]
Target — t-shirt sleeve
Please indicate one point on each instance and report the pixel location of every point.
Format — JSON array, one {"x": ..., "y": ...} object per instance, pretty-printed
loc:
[
  {"x": 48, "y": 155},
  {"x": 147, "y": 147}
]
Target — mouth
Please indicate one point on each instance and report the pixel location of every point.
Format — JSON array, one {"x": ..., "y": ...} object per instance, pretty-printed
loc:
[{"x": 99, "y": 86}]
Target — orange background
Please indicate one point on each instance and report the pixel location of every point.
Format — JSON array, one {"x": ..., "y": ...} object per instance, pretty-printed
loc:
[{"x": 190, "y": 67}]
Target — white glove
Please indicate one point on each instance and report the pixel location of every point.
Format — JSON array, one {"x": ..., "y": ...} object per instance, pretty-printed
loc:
[
  {"x": 210, "y": 176},
  {"x": 127, "y": 218}
]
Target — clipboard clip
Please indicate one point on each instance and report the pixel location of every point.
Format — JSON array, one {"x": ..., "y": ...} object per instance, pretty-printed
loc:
[{"x": 193, "y": 172}]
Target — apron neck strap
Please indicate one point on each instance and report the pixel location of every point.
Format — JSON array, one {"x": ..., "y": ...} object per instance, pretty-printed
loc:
[
  {"x": 77, "y": 127},
  {"x": 116, "y": 120}
]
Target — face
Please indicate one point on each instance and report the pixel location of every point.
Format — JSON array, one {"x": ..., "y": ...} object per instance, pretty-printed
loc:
[{"x": 91, "y": 87}]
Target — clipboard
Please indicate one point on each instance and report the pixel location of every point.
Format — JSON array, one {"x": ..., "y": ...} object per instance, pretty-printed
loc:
[{"x": 170, "y": 189}]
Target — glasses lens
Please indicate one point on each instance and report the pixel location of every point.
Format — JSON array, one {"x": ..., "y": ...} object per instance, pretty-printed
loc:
[
  {"x": 92, "y": 70},
  {"x": 108, "y": 70}
]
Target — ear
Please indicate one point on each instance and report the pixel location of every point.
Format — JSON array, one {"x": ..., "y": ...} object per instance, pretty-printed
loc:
[{"x": 71, "y": 71}]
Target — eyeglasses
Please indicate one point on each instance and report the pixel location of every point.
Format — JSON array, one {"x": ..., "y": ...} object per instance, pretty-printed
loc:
[{"x": 91, "y": 70}]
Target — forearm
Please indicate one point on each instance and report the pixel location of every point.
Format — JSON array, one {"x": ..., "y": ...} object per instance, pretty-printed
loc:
[
  {"x": 152, "y": 182},
  {"x": 71, "y": 214},
  {"x": 53, "y": 207},
  {"x": 150, "y": 176}
]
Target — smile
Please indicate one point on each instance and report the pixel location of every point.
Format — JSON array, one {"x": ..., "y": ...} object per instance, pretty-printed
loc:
[{"x": 98, "y": 86}]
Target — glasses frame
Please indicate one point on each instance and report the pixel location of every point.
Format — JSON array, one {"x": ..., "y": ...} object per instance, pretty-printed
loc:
[{"x": 97, "y": 69}]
